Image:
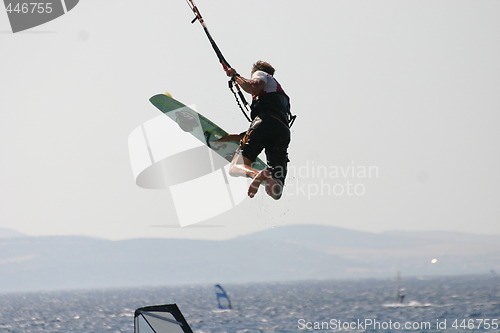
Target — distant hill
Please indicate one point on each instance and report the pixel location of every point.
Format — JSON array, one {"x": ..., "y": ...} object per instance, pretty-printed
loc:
[
  {"x": 402, "y": 244},
  {"x": 9, "y": 233},
  {"x": 287, "y": 253}
]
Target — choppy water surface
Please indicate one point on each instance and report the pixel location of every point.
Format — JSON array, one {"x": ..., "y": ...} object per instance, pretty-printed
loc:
[{"x": 458, "y": 304}]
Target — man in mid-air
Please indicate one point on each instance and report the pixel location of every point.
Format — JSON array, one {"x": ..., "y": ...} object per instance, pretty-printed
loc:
[{"x": 269, "y": 131}]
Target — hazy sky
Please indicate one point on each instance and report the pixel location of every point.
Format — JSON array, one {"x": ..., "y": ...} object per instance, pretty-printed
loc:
[{"x": 405, "y": 93}]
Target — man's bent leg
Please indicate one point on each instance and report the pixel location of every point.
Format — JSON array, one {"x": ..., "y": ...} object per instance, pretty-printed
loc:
[
  {"x": 241, "y": 167},
  {"x": 252, "y": 143}
]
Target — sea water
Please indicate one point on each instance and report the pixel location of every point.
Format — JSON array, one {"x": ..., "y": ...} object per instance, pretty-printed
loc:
[{"x": 444, "y": 304}]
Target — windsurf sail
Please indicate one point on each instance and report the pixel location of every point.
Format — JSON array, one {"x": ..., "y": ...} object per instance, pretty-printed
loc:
[
  {"x": 160, "y": 319},
  {"x": 223, "y": 301},
  {"x": 400, "y": 292}
]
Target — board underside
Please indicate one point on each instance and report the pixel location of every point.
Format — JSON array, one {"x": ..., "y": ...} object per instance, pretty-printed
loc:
[{"x": 200, "y": 127}]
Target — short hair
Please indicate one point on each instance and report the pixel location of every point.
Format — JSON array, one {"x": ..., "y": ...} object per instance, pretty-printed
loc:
[{"x": 263, "y": 66}]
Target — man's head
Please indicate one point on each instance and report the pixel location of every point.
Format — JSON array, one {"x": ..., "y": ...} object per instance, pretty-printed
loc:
[{"x": 263, "y": 66}]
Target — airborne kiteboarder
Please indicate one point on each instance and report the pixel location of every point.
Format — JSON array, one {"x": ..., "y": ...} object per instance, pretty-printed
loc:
[
  {"x": 268, "y": 131},
  {"x": 270, "y": 119}
]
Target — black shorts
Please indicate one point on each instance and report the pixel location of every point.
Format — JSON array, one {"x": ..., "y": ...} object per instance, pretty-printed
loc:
[{"x": 272, "y": 135}]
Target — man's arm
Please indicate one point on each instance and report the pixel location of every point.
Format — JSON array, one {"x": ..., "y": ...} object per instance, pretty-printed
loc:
[
  {"x": 230, "y": 138},
  {"x": 251, "y": 86}
]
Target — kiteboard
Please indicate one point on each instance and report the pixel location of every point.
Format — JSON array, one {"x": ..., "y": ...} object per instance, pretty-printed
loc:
[{"x": 200, "y": 127}]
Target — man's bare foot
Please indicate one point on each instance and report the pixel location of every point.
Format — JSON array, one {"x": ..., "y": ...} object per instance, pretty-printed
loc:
[
  {"x": 263, "y": 175},
  {"x": 274, "y": 188}
]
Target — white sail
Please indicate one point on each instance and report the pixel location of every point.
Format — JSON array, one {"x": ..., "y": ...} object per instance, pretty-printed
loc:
[{"x": 400, "y": 292}]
